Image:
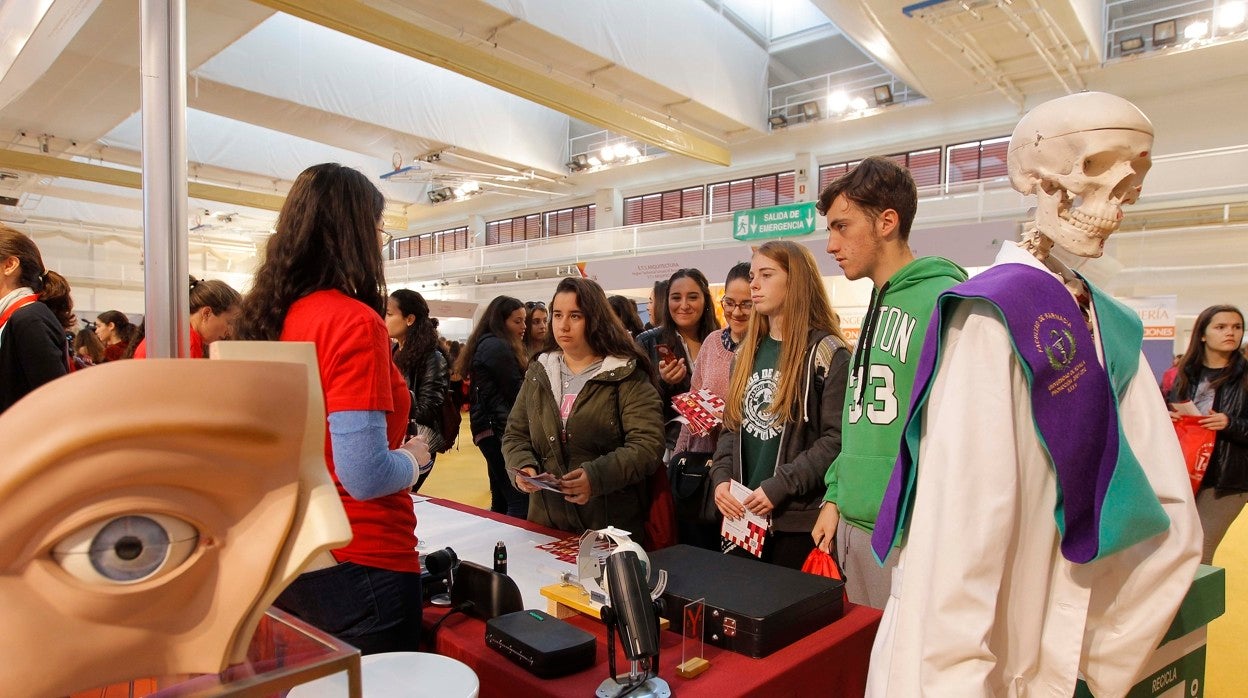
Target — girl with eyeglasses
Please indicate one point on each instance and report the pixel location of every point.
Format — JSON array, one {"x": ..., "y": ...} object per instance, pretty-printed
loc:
[
  {"x": 322, "y": 281},
  {"x": 782, "y": 420}
]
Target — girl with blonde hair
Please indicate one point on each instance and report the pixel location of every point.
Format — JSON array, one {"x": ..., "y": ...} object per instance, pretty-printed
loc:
[{"x": 782, "y": 422}]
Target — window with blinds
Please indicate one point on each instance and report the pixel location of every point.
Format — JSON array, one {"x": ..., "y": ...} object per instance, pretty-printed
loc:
[
  {"x": 565, "y": 221},
  {"x": 430, "y": 243},
  {"x": 664, "y": 206},
  {"x": 968, "y": 162},
  {"x": 453, "y": 239},
  {"x": 830, "y": 173},
  {"x": 753, "y": 192},
  {"x": 924, "y": 165},
  {"x": 514, "y": 229}
]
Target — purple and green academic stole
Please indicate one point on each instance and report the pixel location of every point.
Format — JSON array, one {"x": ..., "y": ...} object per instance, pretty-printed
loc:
[{"x": 1104, "y": 501}]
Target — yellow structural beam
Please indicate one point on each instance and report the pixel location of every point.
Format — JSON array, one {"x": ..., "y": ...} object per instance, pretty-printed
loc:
[
  {"x": 58, "y": 167},
  {"x": 358, "y": 19}
]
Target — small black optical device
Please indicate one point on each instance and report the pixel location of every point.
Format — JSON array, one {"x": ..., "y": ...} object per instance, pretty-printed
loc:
[{"x": 541, "y": 643}]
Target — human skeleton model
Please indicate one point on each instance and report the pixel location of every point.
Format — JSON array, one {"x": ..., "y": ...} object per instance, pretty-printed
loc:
[
  {"x": 146, "y": 535},
  {"x": 1049, "y": 527}
]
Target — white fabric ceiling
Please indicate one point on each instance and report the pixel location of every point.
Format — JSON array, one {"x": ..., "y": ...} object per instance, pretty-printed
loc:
[
  {"x": 309, "y": 65},
  {"x": 684, "y": 46},
  {"x": 270, "y": 94}
]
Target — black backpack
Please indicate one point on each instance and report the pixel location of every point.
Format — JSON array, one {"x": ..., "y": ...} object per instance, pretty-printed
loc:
[{"x": 451, "y": 418}]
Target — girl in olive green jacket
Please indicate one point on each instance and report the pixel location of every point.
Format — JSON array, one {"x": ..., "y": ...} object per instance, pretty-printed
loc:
[{"x": 588, "y": 421}]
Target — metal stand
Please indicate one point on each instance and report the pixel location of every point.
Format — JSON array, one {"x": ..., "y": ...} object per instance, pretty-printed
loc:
[
  {"x": 653, "y": 687},
  {"x": 638, "y": 682},
  {"x": 444, "y": 599}
]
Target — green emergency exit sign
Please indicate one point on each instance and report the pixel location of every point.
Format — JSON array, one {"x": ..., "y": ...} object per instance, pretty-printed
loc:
[{"x": 774, "y": 221}]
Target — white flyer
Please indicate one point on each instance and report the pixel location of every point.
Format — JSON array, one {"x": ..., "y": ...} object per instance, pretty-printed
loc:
[{"x": 749, "y": 531}]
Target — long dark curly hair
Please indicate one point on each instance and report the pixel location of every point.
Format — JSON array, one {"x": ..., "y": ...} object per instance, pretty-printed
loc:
[
  {"x": 422, "y": 335},
  {"x": 326, "y": 239}
]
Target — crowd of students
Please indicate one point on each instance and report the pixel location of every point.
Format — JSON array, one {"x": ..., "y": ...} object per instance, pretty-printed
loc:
[{"x": 570, "y": 404}]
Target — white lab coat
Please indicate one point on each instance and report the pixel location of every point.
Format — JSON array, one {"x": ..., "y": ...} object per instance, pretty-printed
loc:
[{"x": 983, "y": 603}]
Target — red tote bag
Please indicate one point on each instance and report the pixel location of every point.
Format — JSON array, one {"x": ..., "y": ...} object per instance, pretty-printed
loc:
[{"x": 1197, "y": 444}]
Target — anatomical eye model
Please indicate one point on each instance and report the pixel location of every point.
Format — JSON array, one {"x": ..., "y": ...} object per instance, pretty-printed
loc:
[{"x": 146, "y": 534}]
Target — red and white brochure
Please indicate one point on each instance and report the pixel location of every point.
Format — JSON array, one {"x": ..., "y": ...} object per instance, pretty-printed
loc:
[{"x": 701, "y": 410}]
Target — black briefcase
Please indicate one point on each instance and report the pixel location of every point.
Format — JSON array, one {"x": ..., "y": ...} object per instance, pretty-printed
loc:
[{"x": 752, "y": 608}]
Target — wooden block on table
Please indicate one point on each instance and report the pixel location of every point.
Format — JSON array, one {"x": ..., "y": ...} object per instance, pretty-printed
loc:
[
  {"x": 691, "y": 668},
  {"x": 565, "y": 600}
]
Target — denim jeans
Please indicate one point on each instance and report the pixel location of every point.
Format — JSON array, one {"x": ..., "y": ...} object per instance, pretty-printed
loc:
[{"x": 373, "y": 609}]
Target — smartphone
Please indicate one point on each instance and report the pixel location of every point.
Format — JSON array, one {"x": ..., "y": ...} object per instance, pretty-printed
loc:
[{"x": 665, "y": 353}]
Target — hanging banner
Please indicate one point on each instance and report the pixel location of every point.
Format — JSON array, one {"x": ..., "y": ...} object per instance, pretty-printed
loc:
[
  {"x": 851, "y": 322},
  {"x": 1157, "y": 313}
]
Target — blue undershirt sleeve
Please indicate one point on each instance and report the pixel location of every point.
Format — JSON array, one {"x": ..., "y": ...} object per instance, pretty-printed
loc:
[{"x": 365, "y": 465}]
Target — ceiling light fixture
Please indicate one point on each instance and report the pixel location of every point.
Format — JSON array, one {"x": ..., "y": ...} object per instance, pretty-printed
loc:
[
  {"x": 838, "y": 102},
  {"x": 810, "y": 110},
  {"x": 1196, "y": 30},
  {"x": 441, "y": 194},
  {"x": 1165, "y": 33},
  {"x": 1231, "y": 15},
  {"x": 883, "y": 95},
  {"x": 1131, "y": 44},
  {"x": 778, "y": 121}
]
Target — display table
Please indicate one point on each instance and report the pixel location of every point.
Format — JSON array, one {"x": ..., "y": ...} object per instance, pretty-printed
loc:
[{"x": 834, "y": 659}]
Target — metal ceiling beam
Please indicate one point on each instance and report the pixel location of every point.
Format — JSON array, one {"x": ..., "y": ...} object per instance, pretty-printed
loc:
[
  {"x": 358, "y": 19},
  {"x": 56, "y": 167}
]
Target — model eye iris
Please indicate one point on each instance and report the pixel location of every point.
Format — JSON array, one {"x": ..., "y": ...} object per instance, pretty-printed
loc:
[{"x": 127, "y": 549}]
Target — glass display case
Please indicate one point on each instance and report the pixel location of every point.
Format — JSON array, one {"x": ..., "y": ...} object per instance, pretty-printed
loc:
[{"x": 284, "y": 653}]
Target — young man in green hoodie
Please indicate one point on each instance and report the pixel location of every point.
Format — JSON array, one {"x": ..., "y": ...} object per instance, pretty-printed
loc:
[{"x": 870, "y": 210}]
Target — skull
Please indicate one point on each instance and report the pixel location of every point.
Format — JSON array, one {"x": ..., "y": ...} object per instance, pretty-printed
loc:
[{"x": 1084, "y": 156}]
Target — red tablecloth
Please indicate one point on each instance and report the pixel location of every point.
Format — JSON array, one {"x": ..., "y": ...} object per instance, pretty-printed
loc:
[{"x": 830, "y": 662}]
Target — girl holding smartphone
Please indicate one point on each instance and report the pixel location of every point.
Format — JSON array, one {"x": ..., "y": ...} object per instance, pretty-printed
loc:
[{"x": 672, "y": 348}]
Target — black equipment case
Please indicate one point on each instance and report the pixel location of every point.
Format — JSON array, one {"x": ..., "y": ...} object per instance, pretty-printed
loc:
[
  {"x": 752, "y": 608},
  {"x": 546, "y": 646}
]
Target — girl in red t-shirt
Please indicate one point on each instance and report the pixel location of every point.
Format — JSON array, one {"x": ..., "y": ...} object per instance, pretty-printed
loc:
[
  {"x": 322, "y": 282},
  {"x": 214, "y": 308}
]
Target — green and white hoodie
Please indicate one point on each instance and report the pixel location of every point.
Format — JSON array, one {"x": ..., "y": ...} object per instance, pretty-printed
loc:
[{"x": 881, "y": 377}]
